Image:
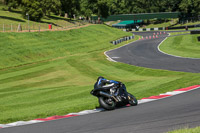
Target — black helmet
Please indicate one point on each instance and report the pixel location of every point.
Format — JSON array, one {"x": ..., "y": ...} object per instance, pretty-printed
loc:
[{"x": 100, "y": 77}]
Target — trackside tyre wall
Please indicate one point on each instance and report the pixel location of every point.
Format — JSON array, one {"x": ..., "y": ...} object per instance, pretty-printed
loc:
[
  {"x": 122, "y": 39},
  {"x": 106, "y": 106}
]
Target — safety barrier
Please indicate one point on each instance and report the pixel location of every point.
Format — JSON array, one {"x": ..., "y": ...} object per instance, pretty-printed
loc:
[
  {"x": 149, "y": 29},
  {"x": 166, "y": 28},
  {"x": 195, "y": 32},
  {"x": 198, "y": 38},
  {"x": 122, "y": 39}
]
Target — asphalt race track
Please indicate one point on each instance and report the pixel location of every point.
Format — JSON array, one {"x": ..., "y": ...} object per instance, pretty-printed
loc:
[
  {"x": 159, "y": 116},
  {"x": 145, "y": 53}
]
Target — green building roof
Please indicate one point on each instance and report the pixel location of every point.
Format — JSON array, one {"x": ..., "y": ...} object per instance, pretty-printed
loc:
[
  {"x": 141, "y": 16},
  {"x": 127, "y": 23}
]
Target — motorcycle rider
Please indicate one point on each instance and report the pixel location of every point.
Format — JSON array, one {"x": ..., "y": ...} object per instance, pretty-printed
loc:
[
  {"x": 112, "y": 94},
  {"x": 106, "y": 84},
  {"x": 103, "y": 84}
]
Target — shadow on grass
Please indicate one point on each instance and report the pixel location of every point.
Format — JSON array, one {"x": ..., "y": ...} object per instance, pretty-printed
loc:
[
  {"x": 13, "y": 19},
  {"x": 58, "y": 18},
  {"x": 11, "y": 10},
  {"x": 19, "y": 12},
  {"x": 44, "y": 22},
  {"x": 160, "y": 22},
  {"x": 61, "y": 18},
  {"x": 174, "y": 24}
]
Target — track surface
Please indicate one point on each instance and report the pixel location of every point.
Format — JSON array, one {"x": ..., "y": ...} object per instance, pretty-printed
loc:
[
  {"x": 154, "y": 117},
  {"x": 145, "y": 53}
]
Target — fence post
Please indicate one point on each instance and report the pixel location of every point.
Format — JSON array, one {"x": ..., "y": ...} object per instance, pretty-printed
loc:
[
  {"x": 19, "y": 28},
  {"x": 39, "y": 28},
  {"x": 11, "y": 27},
  {"x": 3, "y": 28}
]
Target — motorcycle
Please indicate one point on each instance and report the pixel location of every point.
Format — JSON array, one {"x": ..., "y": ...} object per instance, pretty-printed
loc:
[{"x": 116, "y": 96}]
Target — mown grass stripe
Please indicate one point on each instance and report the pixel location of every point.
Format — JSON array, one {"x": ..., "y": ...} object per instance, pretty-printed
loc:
[
  {"x": 57, "y": 76},
  {"x": 183, "y": 45}
]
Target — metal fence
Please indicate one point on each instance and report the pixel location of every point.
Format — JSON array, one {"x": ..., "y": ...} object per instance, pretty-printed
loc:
[{"x": 38, "y": 26}]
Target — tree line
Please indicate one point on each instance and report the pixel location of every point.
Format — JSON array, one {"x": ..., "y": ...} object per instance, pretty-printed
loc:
[{"x": 102, "y": 8}]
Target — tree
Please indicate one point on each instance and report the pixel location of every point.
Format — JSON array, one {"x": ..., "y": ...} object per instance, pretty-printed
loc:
[
  {"x": 102, "y": 8},
  {"x": 12, "y": 4},
  {"x": 85, "y": 8},
  {"x": 95, "y": 7},
  {"x": 33, "y": 8},
  {"x": 70, "y": 7},
  {"x": 117, "y": 7},
  {"x": 190, "y": 7},
  {"x": 49, "y": 6},
  {"x": 170, "y": 5}
]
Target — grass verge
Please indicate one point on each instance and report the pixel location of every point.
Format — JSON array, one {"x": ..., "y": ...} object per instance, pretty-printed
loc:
[
  {"x": 183, "y": 45},
  {"x": 191, "y": 130},
  {"x": 52, "y": 73}
]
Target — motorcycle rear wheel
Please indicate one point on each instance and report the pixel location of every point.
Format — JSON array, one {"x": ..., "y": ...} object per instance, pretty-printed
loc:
[
  {"x": 107, "y": 103},
  {"x": 132, "y": 100}
]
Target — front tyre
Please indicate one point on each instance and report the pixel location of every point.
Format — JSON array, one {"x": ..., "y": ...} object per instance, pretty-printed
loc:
[
  {"x": 107, "y": 103},
  {"x": 132, "y": 100}
]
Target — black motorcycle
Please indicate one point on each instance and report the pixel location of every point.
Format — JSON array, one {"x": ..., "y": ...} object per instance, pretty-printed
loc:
[{"x": 116, "y": 96}]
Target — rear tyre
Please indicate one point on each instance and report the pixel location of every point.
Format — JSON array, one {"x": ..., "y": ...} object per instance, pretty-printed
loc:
[
  {"x": 132, "y": 100},
  {"x": 107, "y": 103}
]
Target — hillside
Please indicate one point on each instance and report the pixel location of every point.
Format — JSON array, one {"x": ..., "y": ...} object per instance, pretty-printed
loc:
[
  {"x": 52, "y": 73},
  {"x": 11, "y": 19}
]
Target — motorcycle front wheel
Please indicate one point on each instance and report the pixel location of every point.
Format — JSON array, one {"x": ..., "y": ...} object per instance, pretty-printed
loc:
[
  {"x": 107, "y": 103},
  {"x": 132, "y": 100}
]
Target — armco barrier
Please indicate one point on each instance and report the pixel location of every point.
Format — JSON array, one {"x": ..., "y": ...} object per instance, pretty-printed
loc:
[
  {"x": 122, "y": 40},
  {"x": 164, "y": 28},
  {"x": 195, "y": 32},
  {"x": 149, "y": 29},
  {"x": 198, "y": 38},
  {"x": 184, "y": 27}
]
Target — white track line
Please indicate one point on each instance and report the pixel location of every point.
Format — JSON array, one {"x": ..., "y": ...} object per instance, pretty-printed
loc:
[
  {"x": 109, "y": 58},
  {"x": 85, "y": 112}
]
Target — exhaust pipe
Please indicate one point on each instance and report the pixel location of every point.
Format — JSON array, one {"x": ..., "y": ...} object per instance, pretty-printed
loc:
[{"x": 107, "y": 95}]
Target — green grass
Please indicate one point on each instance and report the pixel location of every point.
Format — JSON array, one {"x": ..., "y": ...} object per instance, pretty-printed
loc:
[
  {"x": 187, "y": 130},
  {"x": 11, "y": 20},
  {"x": 164, "y": 24},
  {"x": 52, "y": 73},
  {"x": 172, "y": 23},
  {"x": 110, "y": 23},
  {"x": 189, "y": 23},
  {"x": 183, "y": 45},
  {"x": 179, "y": 33},
  {"x": 194, "y": 28}
]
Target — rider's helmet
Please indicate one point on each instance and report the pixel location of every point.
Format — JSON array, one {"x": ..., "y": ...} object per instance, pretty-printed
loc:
[{"x": 100, "y": 77}]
